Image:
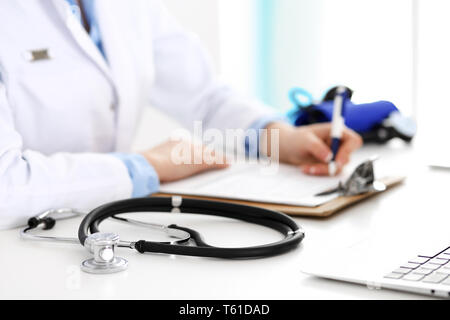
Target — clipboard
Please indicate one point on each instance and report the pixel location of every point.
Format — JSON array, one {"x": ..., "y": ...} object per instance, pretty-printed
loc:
[{"x": 325, "y": 210}]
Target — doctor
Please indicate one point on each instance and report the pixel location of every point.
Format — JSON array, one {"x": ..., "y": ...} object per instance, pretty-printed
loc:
[{"x": 74, "y": 76}]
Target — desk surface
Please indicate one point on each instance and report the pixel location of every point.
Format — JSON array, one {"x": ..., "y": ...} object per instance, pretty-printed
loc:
[{"x": 35, "y": 270}]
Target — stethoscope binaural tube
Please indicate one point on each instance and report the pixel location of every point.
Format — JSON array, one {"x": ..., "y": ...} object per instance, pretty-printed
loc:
[{"x": 280, "y": 222}]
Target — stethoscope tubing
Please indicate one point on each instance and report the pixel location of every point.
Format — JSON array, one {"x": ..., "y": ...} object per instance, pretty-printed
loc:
[{"x": 272, "y": 219}]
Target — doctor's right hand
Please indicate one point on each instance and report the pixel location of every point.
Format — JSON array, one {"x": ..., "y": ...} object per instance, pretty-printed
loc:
[{"x": 176, "y": 160}]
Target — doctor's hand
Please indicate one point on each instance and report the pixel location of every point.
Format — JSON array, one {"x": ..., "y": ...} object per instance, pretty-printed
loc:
[
  {"x": 176, "y": 160},
  {"x": 309, "y": 146}
]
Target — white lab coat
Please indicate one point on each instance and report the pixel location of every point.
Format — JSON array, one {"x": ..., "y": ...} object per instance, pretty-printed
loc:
[{"x": 59, "y": 118}]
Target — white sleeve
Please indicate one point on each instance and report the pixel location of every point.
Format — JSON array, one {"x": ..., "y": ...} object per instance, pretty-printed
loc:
[
  {"x": 186, "y": 86},
  {"x": 31, "y": 183}
]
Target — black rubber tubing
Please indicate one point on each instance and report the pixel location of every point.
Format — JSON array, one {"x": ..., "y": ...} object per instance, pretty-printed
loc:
[{"x": 268, "y": 218}]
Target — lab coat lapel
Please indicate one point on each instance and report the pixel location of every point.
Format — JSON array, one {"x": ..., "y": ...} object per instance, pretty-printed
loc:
[
  {"x": 125, "y": 29},
  {"x": 118, "y": 29},
  {"x": 81, "y": 36}
]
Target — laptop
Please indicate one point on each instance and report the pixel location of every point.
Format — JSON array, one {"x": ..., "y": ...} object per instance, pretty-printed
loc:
[{"x": 382, "y": 263}]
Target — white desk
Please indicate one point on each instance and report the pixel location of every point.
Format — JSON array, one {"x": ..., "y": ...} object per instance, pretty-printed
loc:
[{"x": 46, "y": 270}]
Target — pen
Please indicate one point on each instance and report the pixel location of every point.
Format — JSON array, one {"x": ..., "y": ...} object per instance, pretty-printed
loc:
[{"x": 337, "y": 126}]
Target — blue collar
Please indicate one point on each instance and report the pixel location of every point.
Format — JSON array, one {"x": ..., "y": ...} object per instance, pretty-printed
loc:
[{"x": 90, "y": 12}]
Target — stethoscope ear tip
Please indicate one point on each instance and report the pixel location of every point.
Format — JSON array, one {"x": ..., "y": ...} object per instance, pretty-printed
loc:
[
  {"x": 48, "y": 222},
  {"x": 33, "y": 222}
]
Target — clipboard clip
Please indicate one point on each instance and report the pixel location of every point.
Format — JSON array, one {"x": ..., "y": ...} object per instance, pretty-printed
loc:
[{"x": 361, "y": 181}]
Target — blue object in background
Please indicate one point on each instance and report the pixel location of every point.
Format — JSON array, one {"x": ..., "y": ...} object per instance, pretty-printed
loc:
[
  {"x": 376, "y": 122},
  {"x": 300, "y": 98},
  {"x": 359, "y": 117}
]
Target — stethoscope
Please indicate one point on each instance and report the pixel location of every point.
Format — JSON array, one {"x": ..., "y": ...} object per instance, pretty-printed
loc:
[{"x": 185, "y": 241}]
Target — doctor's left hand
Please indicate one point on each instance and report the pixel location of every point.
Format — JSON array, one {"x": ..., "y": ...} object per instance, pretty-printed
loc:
[
  {"x": 309, "y": 146},
  {"x": 196, "y": 158}
]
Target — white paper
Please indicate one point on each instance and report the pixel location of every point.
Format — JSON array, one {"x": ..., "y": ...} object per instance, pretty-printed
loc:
[{"x": 253, "y": 182}]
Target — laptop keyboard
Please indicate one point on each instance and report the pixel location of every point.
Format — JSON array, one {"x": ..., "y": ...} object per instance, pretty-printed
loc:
[{"x": 425, "y": 268}]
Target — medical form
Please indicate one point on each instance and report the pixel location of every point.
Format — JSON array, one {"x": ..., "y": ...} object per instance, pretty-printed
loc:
[{"x": 251, "y": 182}]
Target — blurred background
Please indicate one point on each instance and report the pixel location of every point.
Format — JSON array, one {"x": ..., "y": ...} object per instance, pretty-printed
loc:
[{"x": 384, "y": 50}]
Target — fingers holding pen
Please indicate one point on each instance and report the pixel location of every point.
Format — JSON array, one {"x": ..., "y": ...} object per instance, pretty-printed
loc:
[{"x": 351, "y": 141}]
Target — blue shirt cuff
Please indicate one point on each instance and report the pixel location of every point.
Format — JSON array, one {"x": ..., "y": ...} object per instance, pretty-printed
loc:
[
  {"x": 143, "y": 176},
  {"x": 252, "y": 147}
]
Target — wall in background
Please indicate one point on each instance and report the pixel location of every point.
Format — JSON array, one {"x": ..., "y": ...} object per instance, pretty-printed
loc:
[
  {"x": 434, "y": 76},
  {"x": 237, "y": 33},
  {"x": 365, "y": 44},
  {"x": 369, "y": 46},
  {"x": 268, "y": 46},
  {"x": 202, "y": 18}
]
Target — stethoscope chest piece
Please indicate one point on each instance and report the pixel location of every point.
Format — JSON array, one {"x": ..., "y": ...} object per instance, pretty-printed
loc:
[{"x": 103, "y": 245}]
